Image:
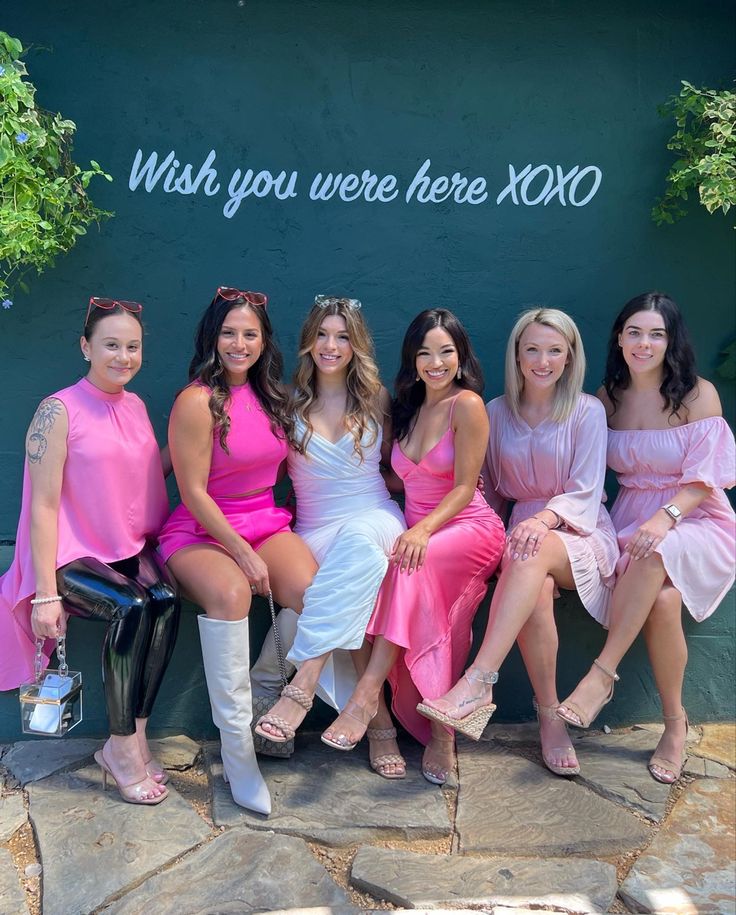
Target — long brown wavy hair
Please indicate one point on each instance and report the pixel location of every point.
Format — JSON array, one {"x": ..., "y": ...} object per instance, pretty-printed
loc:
[
  {"x": 363, "y": 412},
  {"x": 264, "y": 377}
]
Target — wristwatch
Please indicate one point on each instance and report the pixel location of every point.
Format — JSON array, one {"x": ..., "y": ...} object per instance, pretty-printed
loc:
[{"x": 673, "y": 511}]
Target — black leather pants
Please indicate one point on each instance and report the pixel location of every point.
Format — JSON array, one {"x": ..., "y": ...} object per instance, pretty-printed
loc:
[{"x": 139, "y": 601}]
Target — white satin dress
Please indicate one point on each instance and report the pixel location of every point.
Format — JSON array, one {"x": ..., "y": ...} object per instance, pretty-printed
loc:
[{"x": 347, "y": 518}]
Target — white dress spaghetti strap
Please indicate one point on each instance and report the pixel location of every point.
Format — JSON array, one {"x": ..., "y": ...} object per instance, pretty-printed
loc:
[{"x": 350, "y": 523}]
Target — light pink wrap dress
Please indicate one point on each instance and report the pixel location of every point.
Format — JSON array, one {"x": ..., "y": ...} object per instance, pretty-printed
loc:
[
  {"x": 560, "y": 466},
  {"x": 699, "y": 553}
]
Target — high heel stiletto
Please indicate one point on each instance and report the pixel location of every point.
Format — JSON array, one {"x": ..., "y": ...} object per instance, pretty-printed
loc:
[
  {"x": 550, "y": 713},
  {"x": 473, "y": 724},
  {"x": 132, "y": 792},
  {"x": 581, "y": 719},
  {"x": 675, "y": 769}
]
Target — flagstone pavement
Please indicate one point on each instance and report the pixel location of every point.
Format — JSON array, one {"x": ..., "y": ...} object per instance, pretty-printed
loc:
[{"x": 506, "y": 837}]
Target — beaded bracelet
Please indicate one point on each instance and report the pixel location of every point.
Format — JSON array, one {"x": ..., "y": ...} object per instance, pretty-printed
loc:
[{"x": 45, "y": 600}]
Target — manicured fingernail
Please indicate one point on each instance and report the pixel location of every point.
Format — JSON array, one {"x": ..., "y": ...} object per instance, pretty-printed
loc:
[
  {"x": 525, "y": 556},
  {"x": 515, "y": 556}
]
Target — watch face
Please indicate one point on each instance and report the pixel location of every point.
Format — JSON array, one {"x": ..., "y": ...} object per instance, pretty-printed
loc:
[{"x": 673, "y": 511}]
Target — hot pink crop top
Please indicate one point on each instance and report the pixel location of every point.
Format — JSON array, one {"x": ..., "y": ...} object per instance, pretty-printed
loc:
[{"x": 255, "y": 452}]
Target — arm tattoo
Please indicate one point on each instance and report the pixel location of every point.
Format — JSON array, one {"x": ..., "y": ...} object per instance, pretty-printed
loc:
[{"x": 42, "y": 424}]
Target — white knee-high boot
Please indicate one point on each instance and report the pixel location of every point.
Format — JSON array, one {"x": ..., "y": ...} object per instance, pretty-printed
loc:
[
  {"x": 225, "y": 656},
  {"x": 265, "y": 675}
]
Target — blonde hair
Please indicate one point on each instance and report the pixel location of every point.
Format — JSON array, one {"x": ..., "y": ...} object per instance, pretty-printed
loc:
[
  {"x": 363, "y": 413},
  {"x": 570, "y": 385}
]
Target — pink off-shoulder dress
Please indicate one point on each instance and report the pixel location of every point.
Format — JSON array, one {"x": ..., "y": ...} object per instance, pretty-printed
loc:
[
  {"x": 699, "y": 553},
  {"x": 560, "y": 466},
  {"x": 430, "y": 612}
]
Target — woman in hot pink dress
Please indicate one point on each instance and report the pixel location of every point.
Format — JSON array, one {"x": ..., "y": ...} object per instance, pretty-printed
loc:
[
  {"x": 673, "y": 454},
  {"x": 547, "y": 454},
  {"x": 93, "y": 498},
  {"x": 421, "y": 625},
  {"x": 228, "y": 540}
]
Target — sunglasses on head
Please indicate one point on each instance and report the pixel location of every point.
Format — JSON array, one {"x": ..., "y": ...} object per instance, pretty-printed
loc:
[
  {"x": 230, "y": 294},
  {"x": 134, "y": 308},
  {"x": 324, "y": 301}
]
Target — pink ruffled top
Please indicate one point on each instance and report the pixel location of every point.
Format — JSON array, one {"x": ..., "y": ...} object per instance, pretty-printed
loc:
[
  {"x": 652, "y": 465},
  {"x": 255, "y": 452},
  {"x": 113, "y": 498},
  {"x": 560, "y": 466}
]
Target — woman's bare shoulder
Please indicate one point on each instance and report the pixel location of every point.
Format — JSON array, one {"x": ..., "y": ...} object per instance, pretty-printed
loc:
[{"x": 703, "y": 401}]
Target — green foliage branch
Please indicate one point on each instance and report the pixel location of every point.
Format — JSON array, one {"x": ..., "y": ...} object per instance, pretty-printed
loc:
[
  {"x": 705, "y": 142},
  {"x": 44, "y": 206}
]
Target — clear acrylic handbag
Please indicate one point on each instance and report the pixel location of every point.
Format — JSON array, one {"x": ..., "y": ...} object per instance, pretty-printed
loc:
[{"x": 51, "y": 704}]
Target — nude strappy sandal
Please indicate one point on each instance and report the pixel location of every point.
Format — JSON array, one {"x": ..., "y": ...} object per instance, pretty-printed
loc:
[
  {"x": 287, "y": 731},
  {"x": 667, "y": 764},
  {"x": 550, "y": 713},
  {"x": 583, "y": 720},
  {"x": 381, "y": 764},
  {"x": 474, "y": 723}
]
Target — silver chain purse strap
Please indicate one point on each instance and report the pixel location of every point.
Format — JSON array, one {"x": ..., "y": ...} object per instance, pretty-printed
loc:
[
  {"x": 277, "y": 641},
  {"x": 263, "y": 704}
]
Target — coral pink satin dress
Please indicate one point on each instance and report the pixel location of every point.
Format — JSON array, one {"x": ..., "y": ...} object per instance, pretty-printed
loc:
[
  {"x": 652, "y": 465},
  {"x": 430, "y": 612}
]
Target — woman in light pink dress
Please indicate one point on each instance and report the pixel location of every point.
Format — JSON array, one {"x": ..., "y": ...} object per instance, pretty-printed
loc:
[
  {"x": 547, "y": 454},
  {"x": 673, "y": 453},
  {"x": 421, "y": 625}
]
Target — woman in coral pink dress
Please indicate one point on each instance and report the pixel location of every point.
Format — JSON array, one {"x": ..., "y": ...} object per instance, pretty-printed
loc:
[
  {"x": 547, "y": 454},
  {"x": 421, "y": 625},
  {"x": 673, "y": 454}
]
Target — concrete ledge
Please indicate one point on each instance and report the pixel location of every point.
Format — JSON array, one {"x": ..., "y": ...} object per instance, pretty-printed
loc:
[{"x": 183, "y": 706}]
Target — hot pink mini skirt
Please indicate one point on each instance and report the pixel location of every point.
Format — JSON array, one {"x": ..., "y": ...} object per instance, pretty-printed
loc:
[{"x": 256, "y": 518}]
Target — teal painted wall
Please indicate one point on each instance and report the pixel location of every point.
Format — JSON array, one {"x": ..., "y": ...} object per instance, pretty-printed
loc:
[{"x": 318, "y": 86}]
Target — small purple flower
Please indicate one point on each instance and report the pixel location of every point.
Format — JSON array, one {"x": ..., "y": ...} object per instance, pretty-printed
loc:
[
  {"x": 7, "y": 303},
  {"x": 21, "y": 137}
]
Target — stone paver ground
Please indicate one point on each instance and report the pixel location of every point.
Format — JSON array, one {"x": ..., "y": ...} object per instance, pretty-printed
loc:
[{"x": 511, "y": 837}]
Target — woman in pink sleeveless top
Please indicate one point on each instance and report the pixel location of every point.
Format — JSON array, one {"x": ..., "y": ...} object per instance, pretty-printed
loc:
[
  {"x": 93, "y": 496},
  {"x": 673, "y": 454},
  {"x": 421, "y": 625},
  {"x": 228, "y": 540}
]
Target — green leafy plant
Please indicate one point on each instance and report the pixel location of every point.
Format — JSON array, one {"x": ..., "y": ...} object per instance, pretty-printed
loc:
[
  {"x": 705, "y": 142},
  {"x": 44, "y": 206}
]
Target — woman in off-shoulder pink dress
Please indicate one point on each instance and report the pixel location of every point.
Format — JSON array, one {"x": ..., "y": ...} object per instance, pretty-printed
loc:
[
  {"x": 673, "y": 454},
  {"x": 547, "y": 454}
]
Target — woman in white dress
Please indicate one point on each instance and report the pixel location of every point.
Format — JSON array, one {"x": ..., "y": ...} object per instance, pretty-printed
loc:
[{"x": 345, "y": 515}]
